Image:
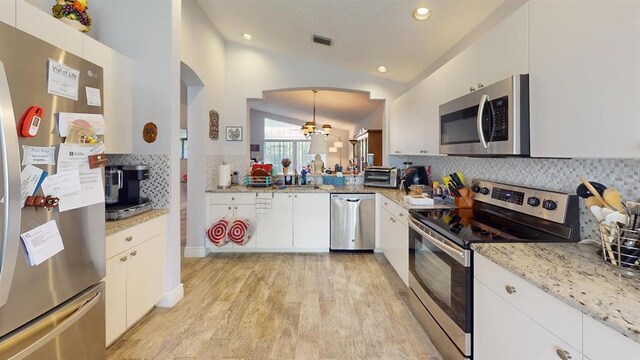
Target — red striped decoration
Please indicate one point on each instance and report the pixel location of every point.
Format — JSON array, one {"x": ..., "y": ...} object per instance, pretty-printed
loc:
[
  {"x": 238, "y": 231},
  {"x": 218, "y": 231}
]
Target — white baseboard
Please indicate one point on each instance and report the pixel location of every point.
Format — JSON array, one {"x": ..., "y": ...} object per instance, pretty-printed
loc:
[
  {"x": 195, "y": 251},
  {"x": 172, "y": 298},
  {"x": 230, "y": 249}
]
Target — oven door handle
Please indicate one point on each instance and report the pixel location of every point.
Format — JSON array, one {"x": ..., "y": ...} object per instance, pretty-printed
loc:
[
  {"x": 457, "y": 254},
  {"x": 483, "y": 101}
]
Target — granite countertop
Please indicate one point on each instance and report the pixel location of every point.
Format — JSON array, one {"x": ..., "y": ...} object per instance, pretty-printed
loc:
[
  {"x": 393, "y": 194},
  {"x": 575, "y": 274},
  {"x": 114, "y": 226}
]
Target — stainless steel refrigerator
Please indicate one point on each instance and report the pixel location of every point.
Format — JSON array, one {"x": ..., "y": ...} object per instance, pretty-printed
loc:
[{"x": 54, "y": 310}]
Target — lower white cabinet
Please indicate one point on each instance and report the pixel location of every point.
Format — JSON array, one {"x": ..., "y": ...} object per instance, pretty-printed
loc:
[
  {"x": 502, "y": 332},
  {"x": 294, "y": 222},
  {"x": 394, "y": 239},
  {"x": 135, "y": 278},
  {"x": 602, "y": 342}
]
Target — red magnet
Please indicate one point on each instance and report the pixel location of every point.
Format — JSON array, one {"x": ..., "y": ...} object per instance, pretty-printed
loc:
[{"x": 30, "y": 121}]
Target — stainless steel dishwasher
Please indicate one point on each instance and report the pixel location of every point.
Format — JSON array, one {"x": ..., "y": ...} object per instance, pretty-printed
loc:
[{"x": 353, "y": 221}]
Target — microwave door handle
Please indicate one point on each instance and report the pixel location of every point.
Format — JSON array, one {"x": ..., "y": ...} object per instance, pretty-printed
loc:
[{"x": 483, "y": 101}]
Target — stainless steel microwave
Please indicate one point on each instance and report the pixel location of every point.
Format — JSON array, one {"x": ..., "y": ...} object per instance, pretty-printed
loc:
[{"x": 491, "y": 121}]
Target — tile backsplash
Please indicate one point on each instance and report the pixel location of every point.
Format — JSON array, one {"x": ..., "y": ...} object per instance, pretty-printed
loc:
[
  {"x": 552, "y": 174},
  {"x": 238, "y": 162},
  {"x": 157, "y": 187}
]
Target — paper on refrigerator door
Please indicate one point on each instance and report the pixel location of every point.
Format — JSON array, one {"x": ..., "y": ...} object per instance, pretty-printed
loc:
[
  {"x": 93, "y": 96},
  {"x": 65, "y": 119},
  {"x": 42, "y": 242},
  {"x": 30, "y": 178},
  {"x": 75, "y": 157},
  {"x": 63, "y": 80},
  {"x": 38, "y": 155},
  {"x": 62, "y": 184}
]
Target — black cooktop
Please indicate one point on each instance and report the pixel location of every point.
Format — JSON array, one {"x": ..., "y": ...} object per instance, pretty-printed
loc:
[{"x": 486, "y": 223}]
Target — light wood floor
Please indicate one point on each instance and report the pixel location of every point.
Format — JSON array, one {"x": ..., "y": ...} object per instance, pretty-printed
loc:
[{"x": 282, "y": 306}]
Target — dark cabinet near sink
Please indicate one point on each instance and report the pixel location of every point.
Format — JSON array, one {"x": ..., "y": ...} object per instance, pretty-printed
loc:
[{"x": 368, "y": 149}]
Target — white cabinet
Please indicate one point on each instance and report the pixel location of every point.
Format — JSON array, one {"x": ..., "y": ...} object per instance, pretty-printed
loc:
[
  {"x": 585, "y": 79},
  {"x": 135, "y": 274},
  {"x": 394, "y": 238},
  {"x": 275, "y": 228},
  {"x": 295, "y": 222},
  {"x": 117, "y": 94},
  {"x": 462, "y": 73},
  {"x": 502, "y": 332},
  {"x": 42, "y": 25},
  {"x": 602, "y": 342},
  {"x": 8, "y": 12},
  {"x": 504, "y": 50},
  {"x": 407, "y": 119},
  {"x": 311, "y": 217},
  {"x": 415, "y": 118}
]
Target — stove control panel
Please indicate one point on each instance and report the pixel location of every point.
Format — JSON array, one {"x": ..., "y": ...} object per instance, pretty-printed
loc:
[{"x": 549, "y": 205}]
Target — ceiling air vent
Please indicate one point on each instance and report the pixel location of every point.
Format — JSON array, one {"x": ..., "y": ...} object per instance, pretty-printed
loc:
[{"x": 322, "y": 40}]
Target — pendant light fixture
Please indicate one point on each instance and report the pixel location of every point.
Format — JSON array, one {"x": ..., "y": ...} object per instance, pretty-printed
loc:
[{"x": 310, "y": 127}]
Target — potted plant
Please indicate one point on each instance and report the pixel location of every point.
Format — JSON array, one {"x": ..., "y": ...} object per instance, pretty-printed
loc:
[
  {"x": 73, "y": 13},
  {"x": 285, "y": 165}
]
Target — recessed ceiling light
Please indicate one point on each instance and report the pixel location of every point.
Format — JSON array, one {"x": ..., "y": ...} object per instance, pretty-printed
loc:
[
  {"x": 246, "y": 36},
  {"x": 421, "y": 13},
  {"x": 382, "y": 69}
]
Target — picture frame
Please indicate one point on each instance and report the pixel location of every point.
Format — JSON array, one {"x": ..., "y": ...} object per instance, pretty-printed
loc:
[{"x": 234, "y": 133}]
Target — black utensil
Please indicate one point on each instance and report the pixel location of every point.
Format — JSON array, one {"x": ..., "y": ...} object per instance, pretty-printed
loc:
[
  {"x": 584, "y": 193},
  {"x": 457, "y": 179},
  {"x": 454, "y": 191}
]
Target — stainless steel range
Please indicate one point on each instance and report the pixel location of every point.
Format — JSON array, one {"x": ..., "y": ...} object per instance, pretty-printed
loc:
[{"x": 441, "y": 259}]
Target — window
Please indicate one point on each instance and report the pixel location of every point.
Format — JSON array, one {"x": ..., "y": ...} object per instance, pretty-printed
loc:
[
  {"x": 284, "y": 140},
  {"x": 184, "y": 145}
]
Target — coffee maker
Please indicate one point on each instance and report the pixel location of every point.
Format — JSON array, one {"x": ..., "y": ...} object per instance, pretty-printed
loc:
[{"x": 122, "y": 191}]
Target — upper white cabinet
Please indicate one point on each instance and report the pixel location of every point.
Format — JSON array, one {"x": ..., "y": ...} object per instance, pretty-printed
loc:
[
  {"x": 462, "y": 73},
  {"x": 415, "y": 117},
  {"x": 36, "y": 22},
  {"x": 8, "y": 12},
  {"x": 504, "y": 51},
  {"x": 585, "y": 79},
  {"x": 117, "y": 94}
]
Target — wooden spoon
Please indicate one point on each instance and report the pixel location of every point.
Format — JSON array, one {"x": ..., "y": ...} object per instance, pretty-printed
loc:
[
  {"x": 614, "y": 199},
  {"x": 591, "y": 201},
  {"x": 595, "y": 192}
]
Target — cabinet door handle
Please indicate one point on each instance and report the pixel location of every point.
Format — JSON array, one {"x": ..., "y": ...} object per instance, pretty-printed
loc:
[
  {"x": 295, "y": 196},
  {"x": 392, "y": 219},
  {"x": 510, "y": 289},
  {"x": 233, "y": 199},
  {"x": 563, "y": 354},
  {"x": 480, "y": 85},
  {"x": 397, "y": 151},
  {"x": 229, "y": 207},
  {"x": 134, "y": 253},
  {"x": 401, "y": 214},
  {"x": 472, "y": 89},
  {"x": 235, "y": 207},
  {"x": 128, "y": 238},
  {"x": 386, "y": 203},
  {"x": 123, "y": 259}
]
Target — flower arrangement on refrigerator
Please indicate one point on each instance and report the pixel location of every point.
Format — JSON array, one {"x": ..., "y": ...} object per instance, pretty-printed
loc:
[{"x": 73, "y": 12}]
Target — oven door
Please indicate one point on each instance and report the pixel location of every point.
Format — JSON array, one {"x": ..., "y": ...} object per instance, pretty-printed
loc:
[
  {"x": 493, "y": 120},
  {"x": 442, "y": 280}
]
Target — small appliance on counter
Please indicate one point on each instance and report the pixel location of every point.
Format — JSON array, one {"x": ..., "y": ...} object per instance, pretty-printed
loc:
[
  {"x": 381, "y": 176},
  {"x": 128, "y": 201},
  {"x": 414, "y": 175}
]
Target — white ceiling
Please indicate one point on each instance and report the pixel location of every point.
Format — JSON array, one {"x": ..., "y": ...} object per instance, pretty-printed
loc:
[
  {"x": 340, "y": 109},
  {"x": 366, "y": 33}
]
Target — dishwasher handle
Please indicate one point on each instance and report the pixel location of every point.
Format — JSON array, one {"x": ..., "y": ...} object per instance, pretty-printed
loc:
[{"x": 353, "y": 200}]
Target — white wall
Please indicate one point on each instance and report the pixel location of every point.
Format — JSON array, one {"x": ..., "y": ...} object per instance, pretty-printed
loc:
[
  {"x": 251, "y": 70},
  {"x": 372, "y": 121},
  {"x": 147, "y": 32},
  {"x": 203, "y": 51}
]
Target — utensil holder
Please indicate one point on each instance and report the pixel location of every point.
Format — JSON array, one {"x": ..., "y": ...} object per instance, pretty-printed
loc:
[
  {"x": 621, "y": 248},
  {"x": 464, "y": 202}
]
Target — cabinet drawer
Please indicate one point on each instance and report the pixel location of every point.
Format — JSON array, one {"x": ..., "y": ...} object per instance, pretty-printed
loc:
[
  {"x": 554, "y": 315},
  {"x": 126, "y": 239},
  {"x": 602, "y": 342},
  {"x": 232, "y": 198},
  {"x": 396, "y": 210}
]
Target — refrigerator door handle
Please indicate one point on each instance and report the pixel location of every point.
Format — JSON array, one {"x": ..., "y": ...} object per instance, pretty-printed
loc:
[
  {"x": 62, "y": 324},
  {"x": 10, "y": 157}
]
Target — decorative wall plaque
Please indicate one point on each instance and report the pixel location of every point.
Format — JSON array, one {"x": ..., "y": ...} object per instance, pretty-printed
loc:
[
  {"x": 150, "y": 132},
  {"x": 214, "y": 125}
]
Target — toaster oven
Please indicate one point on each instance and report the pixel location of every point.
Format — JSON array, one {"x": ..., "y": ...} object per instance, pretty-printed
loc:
[{"x": 381, "y": 176}]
